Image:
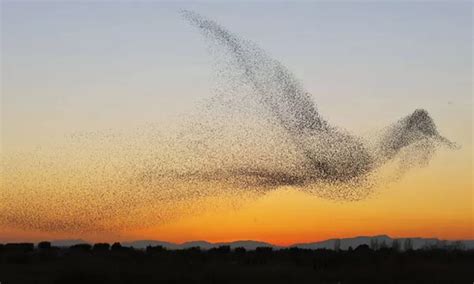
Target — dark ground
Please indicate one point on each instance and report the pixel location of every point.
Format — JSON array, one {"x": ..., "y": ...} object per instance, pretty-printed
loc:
[{"x": 23, "y": 263}]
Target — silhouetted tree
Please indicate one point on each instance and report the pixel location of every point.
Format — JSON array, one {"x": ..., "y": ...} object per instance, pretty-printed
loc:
[
  {"x": 101, "y": 247},
  {"x": 240, "y": 250},
  {"x": 80, "y": 248},
  {"x": 20, "y": 247},
  {"x": 362, "y": 249},
  {"x": 195, "y": 266},
  {"x": 155, "y": 249},
  {"x": 195, "y": 249},
  {"x": 264, "y": 249},
  {"x": 116, "y": 246},
  {"x": 223, "y": 249},
  {"x": 44, "y": 245}
]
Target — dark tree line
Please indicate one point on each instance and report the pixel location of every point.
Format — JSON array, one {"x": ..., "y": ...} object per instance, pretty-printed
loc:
[{"x": 105, "y": 263}]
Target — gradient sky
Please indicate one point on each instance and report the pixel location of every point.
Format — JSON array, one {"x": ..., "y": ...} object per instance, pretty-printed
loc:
[{"x": 84, "y": 66}]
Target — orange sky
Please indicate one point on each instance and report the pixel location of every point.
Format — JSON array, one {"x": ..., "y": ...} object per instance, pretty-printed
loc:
[
  {"x": 425, "y": 203},
  {"x": 435, "y": 201}
]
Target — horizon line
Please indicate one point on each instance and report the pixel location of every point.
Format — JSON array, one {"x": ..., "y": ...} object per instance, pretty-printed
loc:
[{"x": 80, "y": 240}]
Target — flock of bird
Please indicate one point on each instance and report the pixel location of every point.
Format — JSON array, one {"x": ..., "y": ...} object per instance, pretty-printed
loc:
[{"x": 260, "y": 131}]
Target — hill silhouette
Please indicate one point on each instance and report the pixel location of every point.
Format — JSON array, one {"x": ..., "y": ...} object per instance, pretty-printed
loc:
[{"x": 345, "y": 243}]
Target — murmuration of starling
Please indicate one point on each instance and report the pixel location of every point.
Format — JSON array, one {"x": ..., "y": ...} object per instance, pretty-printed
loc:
[{"x": 260, "y": 131}]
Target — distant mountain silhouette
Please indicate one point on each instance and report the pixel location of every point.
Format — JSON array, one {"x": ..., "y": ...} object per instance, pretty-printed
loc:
[{"x": 345, "y": 243}]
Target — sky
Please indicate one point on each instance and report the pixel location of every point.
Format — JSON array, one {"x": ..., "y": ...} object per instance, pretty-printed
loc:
[{"x": 73, "y": 67}]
